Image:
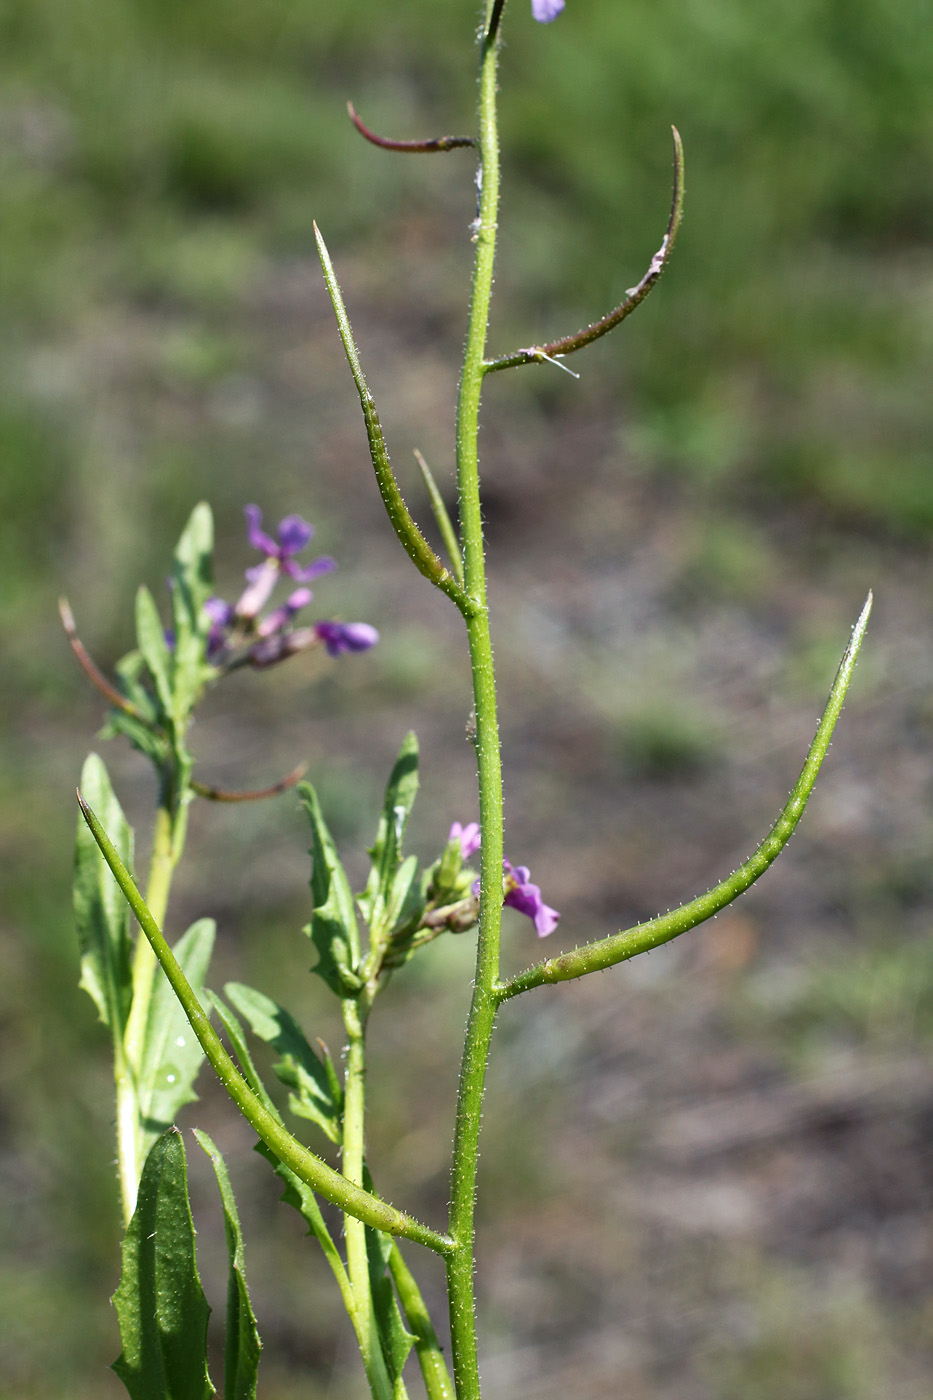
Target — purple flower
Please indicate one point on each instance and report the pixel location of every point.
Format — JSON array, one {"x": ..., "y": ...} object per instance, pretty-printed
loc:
[
  {"x": 545, "y": 11},
  {"x": 519, "y": 892},
  {"x": 468, "y": 836},
  {"x": 280, "y": 617},
  {"x": 239, "y": 635},
  {"x": 522, "y": 895},
  {"x": 293, "y": 534},
  {"x": 340, "y": 637}
]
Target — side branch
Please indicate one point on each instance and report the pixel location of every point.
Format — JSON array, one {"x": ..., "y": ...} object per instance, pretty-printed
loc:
[
  {"x": 435, "y": 143},
  {"x": 305, "y": 1164},
  {"x": 554, "y": 349},
  {"x": 413, "y": 541},
  {"x": 621, "y": 946},
  {"x": 92, "y": 670},
  {"x": 217, "y": 794}
]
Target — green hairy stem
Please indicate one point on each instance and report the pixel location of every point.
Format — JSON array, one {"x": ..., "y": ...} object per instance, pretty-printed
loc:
[
  {"x": 403, "y": 906},
  {"x": 306, "y": 1165},
  {"x": 608, "y": 951},
  {"x": 460, "y": 1264}
]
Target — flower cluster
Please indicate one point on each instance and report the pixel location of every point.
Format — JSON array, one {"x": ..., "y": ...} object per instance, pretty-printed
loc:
[
  {"x": 239, "y": 634},
  {"x": 519, "y": 892}
]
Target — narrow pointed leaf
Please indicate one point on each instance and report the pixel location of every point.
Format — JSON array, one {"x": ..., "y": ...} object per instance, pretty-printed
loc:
[
  {"x": 333, "y": 929},
  {"x": 444, "y": 522},
  {"x": 150, "y": 637},
  {"x": 191, "y": 588},
  {"x": 160, "y": 1304},
  {"x": 299, "y": 1068},
  {"x": 101, "y": 913},
  {"x": 242, "y": 1345},
  {"x": 386, "y": 852},
  {"x": 172, "y": 1054},
  {"x": 396, "y": 1339},
  {"x": 130, "y": 671},
  {"x": 405, "y": 903}
]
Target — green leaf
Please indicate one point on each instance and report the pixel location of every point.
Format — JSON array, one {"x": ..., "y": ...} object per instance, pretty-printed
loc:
[
  {"x": 150, "y": 636},
  {"x": 333, "y": 929},
  {"x": 406, "y": 902},
  {"x": 160, "y": 1304},
  {"x": 242, "y": 1345},
  {"x": 299, "y": 1068},
  {"x": 386, "y": 852},
  {"x": 102, "y": 915},
  {"x": 396, "y": 1339},
  {"x": 237, "y": 1037},
  {"x": 297, "y": 1193},
  {"x": 149, "y": 742},
  {"x": 171, "y": 1054},
  {"x": 191, "y": 587},
  {"x": 130, "y": 670}
]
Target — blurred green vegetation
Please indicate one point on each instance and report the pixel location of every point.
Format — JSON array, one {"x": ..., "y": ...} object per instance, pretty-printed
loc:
[{"x": 157, "y": 157}]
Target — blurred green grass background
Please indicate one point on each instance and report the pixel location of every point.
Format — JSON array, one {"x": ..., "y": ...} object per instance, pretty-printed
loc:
[{"x": 165, "y": 338}]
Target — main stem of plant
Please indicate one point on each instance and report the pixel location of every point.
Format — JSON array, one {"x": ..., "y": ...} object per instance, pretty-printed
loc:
[
  {"x": 167, "y": 840},
  {"x": 460, "y": 1263},
  {"x": 364, "y": 1317}
]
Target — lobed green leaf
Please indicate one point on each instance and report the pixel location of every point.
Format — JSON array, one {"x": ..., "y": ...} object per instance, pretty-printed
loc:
[{"x": 299, "y": 1068}]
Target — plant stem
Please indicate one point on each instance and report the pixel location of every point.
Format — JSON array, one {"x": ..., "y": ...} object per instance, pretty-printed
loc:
[
  {"x": 434, "y": 1371},
  {"x": 483, "y": 1006},
  {"x": 306, "y": 1165},
  {"x": 363, "y": 1317},
  {"x": 167, "y": 840}
]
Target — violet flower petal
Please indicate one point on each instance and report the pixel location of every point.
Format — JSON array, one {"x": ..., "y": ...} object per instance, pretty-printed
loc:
[
  {"x": 468, "y": 836},
  {"x": 340, "y": 637},
  {"x": 324, "y": 565},
  {"x": 546, "y": 10},
  {"x": 220, "y": 612},
  {"x": 281, "y": 616},
  {"x": 256, "y": 535},
  {"x": 262, "y": 579},
  {"x": 294, "y": 533},
  {"x": 524, "y": 896},
  {"x": 527, "y": 900}
]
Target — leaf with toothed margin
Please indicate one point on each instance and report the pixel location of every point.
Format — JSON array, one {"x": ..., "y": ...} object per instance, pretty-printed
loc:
[
  {"x": 299, "y": 1068},
  {"x": 102, "y": 915},
  {"x": 159, "y": 1303},
  {"x": 333, "y": 928}
]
